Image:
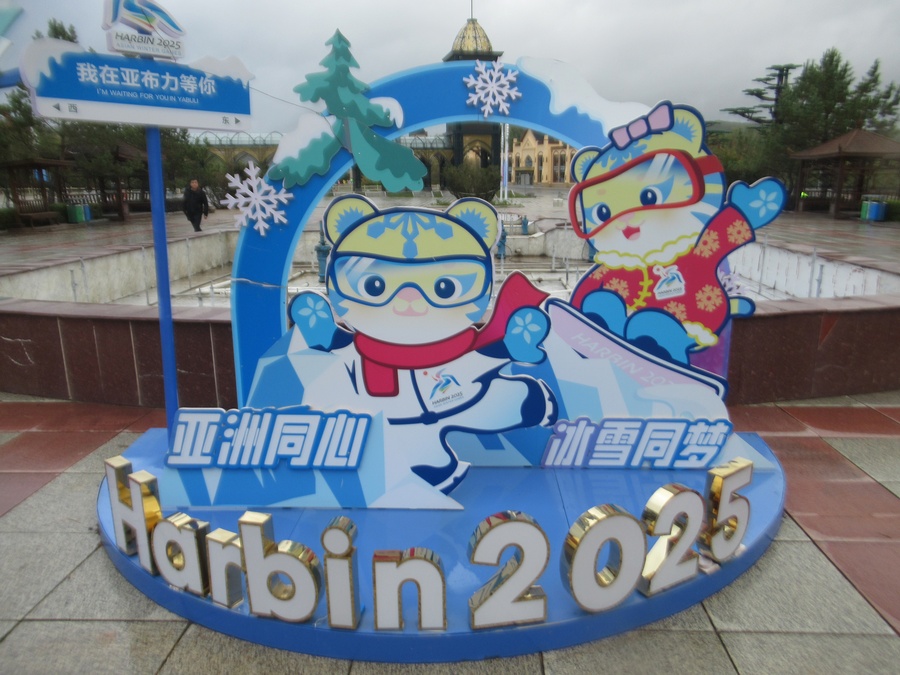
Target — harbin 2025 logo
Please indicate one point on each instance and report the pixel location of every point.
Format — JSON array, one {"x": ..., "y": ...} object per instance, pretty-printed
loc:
[{"x": 545, "y": 470}]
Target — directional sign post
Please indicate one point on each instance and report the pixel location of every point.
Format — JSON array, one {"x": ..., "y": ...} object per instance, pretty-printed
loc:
[
  {"x": 163, "y": 292},
  {"x": 68, "y": 83}
]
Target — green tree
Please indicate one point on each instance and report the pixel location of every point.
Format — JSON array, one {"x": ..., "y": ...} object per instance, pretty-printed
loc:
[
  {"x": 743, "y": 152},
  {"x": 821, "y": 104},
  {"x": 380, "y": 160},
  {"x": 23, "y": 135},
  {"x": 470, "y": 180},
  {"x": 875, "y": 107},
  {"x": 107, "y": 157},
  {"x": 185, "y": 159},
  {"x": 59, "y": 31},
  {"x": 769, "y": 95}
]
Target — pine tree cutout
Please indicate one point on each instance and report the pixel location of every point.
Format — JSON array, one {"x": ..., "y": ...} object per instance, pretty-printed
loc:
[{"x": 392, "y": 164}]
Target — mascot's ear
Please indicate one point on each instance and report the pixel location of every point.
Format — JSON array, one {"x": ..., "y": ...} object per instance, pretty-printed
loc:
[
  {"x": 583, "y": 161},
  {"x": 689, "y": 119},
  {"x": 686, "y": 134},
  {"x": 480, "y": 216},
  {"x": 344, "y": 212}
]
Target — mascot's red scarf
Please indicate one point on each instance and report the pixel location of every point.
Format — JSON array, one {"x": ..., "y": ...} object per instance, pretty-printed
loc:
[{"x": 382, "y": 360}]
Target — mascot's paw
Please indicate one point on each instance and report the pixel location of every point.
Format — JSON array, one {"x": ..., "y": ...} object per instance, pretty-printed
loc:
[
  {"x": 312, "y": 315},
  {"x": 760, "y": 203},
  {"x": 660, "y": 334},
  {"x": 525, "y": 332},
  {"x": 606, "y": 309}
]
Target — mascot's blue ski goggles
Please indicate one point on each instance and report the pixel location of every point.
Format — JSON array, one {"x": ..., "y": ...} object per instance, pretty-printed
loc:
[{"x": 443, "y": 283}]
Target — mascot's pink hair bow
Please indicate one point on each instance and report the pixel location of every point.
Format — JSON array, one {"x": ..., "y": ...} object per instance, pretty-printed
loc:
[{"x": 658, "y": 119}]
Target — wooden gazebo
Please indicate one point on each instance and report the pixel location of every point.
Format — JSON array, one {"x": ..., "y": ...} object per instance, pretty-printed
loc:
[
  {"x": 34, "y": 185},
  {"x": 859, "y": 156}
]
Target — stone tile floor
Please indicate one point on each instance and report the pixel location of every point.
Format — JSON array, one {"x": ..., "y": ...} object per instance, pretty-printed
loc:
[{"x": 825, "y": 598}]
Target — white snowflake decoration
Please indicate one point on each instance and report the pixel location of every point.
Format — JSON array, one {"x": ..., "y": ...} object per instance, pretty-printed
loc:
[
  {"x": 492, "y": 87},
  {"x": 767, "y": 201},
  {"x": 257, "y": 200}
]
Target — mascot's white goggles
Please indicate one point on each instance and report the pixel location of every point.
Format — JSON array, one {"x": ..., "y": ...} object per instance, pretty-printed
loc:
[
  {"x": 640, "y": 171},
  {"x": 375, "y": 281}
]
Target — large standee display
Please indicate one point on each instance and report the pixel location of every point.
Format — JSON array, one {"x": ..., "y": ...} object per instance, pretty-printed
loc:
[{"x": 426, "y": 465}]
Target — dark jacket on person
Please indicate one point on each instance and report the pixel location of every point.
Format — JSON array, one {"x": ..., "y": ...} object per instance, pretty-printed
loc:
[{"x": 195, "y": 203}]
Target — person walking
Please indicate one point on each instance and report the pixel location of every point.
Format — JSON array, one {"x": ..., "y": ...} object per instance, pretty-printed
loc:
[{"x": 196, "y": 205}]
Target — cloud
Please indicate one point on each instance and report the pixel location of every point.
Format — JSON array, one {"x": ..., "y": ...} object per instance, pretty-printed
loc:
[{"x": 700, "y": 52}]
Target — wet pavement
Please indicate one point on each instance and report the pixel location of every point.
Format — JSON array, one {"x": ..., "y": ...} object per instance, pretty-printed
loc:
[{"x": 825, "y": 597}]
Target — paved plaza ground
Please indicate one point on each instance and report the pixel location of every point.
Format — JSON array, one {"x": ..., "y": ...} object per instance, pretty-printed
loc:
[{"x": 825, "y": 598}]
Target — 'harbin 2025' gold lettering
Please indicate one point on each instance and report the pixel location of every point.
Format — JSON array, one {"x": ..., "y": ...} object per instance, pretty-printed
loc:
[{"x": 284, "y": 579}]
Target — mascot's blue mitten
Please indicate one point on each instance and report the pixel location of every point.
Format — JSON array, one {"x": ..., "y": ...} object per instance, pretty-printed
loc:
[
  {"x": 311, "y": 313},
  {"x": 525, "y": 332},
  {"x": 760, "y": 203},
  {"x": 659, "y": 333},
  {"x": 606, "y": 309}
]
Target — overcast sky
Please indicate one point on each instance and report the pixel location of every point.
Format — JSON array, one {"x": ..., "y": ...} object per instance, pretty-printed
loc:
[{"x": 699, "y": 52}]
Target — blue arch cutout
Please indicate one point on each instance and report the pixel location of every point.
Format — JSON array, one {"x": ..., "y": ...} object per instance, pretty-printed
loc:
[{"x": 429, "y": 96}]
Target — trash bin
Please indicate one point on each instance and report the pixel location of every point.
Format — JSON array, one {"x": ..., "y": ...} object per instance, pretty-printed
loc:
[
  {"x": 75, "y": 213},
  {"x": 87, "y": 212},
  {"x": 877, "y": 211},
  {"x": 864, "y": 211}
]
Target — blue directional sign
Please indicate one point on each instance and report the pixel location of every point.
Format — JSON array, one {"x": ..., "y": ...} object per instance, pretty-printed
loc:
[{"x": 69, "y": 83}]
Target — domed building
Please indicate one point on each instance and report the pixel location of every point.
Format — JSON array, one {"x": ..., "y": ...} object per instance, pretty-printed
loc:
[
  {"x": 534, "y": 159},
  {"x": 474, "y": 140},
  {"x": 472, "y": 43}
]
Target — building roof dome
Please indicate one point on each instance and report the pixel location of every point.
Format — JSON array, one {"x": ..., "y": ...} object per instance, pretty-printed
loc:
[
  {"x": 472, "y": 43},
  {"x": 471, "y": 38}
]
